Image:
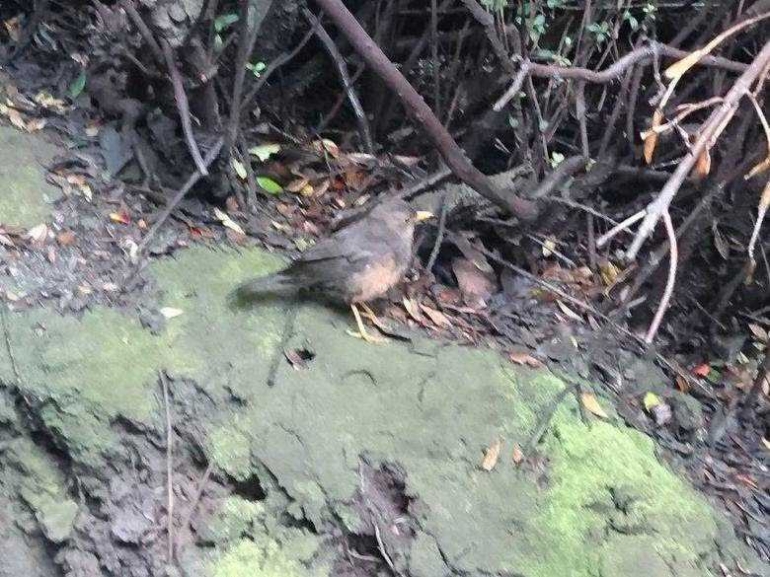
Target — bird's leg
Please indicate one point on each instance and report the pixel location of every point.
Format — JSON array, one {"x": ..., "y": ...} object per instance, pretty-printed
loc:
[
  {"x": 361, "y": 328},
  {"x": 369, "y": 314}
]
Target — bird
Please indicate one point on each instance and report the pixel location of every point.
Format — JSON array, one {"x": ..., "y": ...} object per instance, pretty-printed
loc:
[{"x": 355, "y": 265}]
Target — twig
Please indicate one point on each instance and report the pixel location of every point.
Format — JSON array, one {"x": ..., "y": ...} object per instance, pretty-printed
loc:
[
  {"x": 545, "y": 419},
  {"x": 342, "y": 69},
  {"x": 426, "y": 183},
  {"x": 194, "y": 504},
  {"x": 8, "y": 345},
  {"x": 292, "y": 309},
  {"x": 183, "y": 108},
  {"x": 144, "y": 31},
  {"x": 169, "y": 467},
  {"x": 194, "y": 178},
  {"x": 558, "y": 176},
  {"x": 247, "y": 36},
  {"x": 621, "y": 226},
  {"x": 439, "y": 234},
  {"x": 580, "y": 111},
  {"x": 673, "y": 259},
  {"x": 710, "y": 131},
  {"x": 453, "y": 155},
  {"x": 515, "y": 88}
]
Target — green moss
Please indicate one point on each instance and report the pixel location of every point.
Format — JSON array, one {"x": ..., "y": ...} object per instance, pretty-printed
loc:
[
  {"x": 229, "y": 449},
  {"x": 41, "y": 485},
  {"x": 584, "y": 504},
  {"x": 24, "y": 191},
  {"x": 247, "y": 559}
]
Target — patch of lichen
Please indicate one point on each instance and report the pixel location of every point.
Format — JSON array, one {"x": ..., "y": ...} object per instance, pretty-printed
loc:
[{"x": 24, "y": 192}]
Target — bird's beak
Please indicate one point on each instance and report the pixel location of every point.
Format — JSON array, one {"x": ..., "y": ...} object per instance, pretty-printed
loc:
[{"x": 423, "y": 215}]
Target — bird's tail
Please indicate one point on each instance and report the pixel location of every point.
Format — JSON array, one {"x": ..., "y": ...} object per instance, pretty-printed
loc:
[{"x": 273, "y": 284}]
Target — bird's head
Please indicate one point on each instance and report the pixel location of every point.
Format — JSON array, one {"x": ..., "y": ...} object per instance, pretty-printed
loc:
[{"x": 399, "y": 214}]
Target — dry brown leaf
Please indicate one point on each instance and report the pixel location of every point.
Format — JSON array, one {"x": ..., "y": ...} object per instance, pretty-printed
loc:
[
  {"x": 38, "y": 234},
  {"x": 65, "y": 238},
  {"x": 36, "y": 124},
  {"x": 16, "y": 119},
  {"x": 524, "y": 359},
  {"x": 414, "y": 311},
  {"x": 592, "y": 405},
  {"x": 702, "y": 166},
  {"x": 228, "y": 222},
  {"x": 475, "y": 285},
  {"x": 518, "y": 455},
  {"x": 569, "y": 312},
  {"x": 651, "y": 136},
  {"x": 297, "y": 185},
  {"x": 491, "y": 455},
  {"x": 766, "y": 443},
  {"x": 6, "y": 241},
  {"x": 438, "y": 318},
  {"x": 121, "y": 217},
  {"x": 760, "y": 333}
]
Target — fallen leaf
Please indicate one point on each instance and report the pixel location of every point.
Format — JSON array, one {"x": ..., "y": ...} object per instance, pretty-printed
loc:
[
  {"x": 662, "y": 414},
  {"x": 524, "y": 359},
  {"x": 518, "y": 456},
  {"x": 438, "y": 318},
  {"x": 65, "y": 238},
  {"x": 548, "y": 247},
  {"x": 239, "y": 168},
  {"x": 766, "y": 443},
  {"x": 491, "y": 455},
  {"x": 569, "y": 312},
  {"x": 170, "y": 312},
  {"x": 331, "y": 148},
  {"x": 227, "y": 221},
  {"x": 592, "y": 405},
  {"x": 6, "y": 240},
  {"x": 264, "y": 151},
  {"x": 609, "y": 272},
  {"x": 121, "y": 217},
  {"x": 16, "y": 119},
  {"x": 297, "y": 185},
  {"x": 269, "y": 185},
  {"x": 38, "y": 234},
  {"x": 413, "y": 310},
  {"x": 299, "y": 358},
  {"x": 475, "y": 285},
  {"x": 760, "y": 333},
  {"x": 651, "y": 400},
  {"x": 36, "y": 124},
  {"x": 702, "y": 370}
]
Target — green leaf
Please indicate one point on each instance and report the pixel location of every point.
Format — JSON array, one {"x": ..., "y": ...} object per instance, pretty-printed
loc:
[
  {"x": 269, "y": 185},
  {"x": 77, "y": 86},
  {"x": 239, "y": 168},
  {"x": 225, "y": 21},
  {"x": 264, "y": 151}
]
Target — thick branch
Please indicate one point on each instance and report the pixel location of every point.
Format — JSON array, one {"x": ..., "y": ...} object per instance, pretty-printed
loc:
[{"x": 452, "y": 154}]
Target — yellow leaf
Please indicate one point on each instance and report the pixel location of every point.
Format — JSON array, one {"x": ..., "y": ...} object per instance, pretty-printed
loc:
[
  {"x": 239, "y": 168},
  {"x": 651, "y": 400},
  {"x": 491, "y": 455},
  {"x": 227, "y": 221},
  {"x": 592, "y": 405}
]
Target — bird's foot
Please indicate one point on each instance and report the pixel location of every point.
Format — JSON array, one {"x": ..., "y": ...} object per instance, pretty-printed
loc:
[
  {"x": 362, "y": 333},
  {"x": 369, "y": 338}
]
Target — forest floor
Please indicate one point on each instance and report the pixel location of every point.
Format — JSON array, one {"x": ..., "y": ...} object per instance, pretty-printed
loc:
[{"x": 147, "y": 427}]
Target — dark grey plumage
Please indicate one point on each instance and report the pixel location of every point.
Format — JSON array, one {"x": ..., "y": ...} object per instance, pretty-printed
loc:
[{"x": 358, "y": 263}]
